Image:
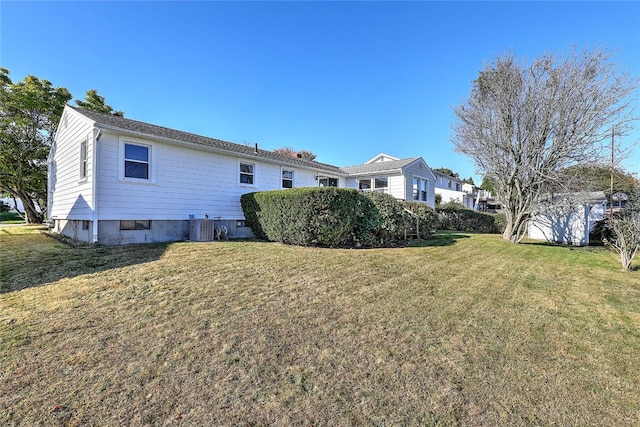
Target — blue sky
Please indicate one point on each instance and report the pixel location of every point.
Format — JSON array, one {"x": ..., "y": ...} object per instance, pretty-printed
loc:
[{"x": 346, "y": 80}]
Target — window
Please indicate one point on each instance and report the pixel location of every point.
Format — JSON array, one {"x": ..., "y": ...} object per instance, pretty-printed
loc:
[
  {"x": 246, "y": 173},
  {"x": 423, "y": 190},
  {"x": 420, "y": 189},
  {"x": 457, "y": 186},
  {"x": 135, "y": 224},
  {"x": 136, "y": 161},
  {"x": 328, "y": 182},
  {"x": 364, "y": 184},
  {"x": 287, "y": 179},
  {"x": 241, "y": 223},
  {"x": 86, "y": 224},
  {"x": 381, "y": 184},
  {"x": 83, "y": 159}
]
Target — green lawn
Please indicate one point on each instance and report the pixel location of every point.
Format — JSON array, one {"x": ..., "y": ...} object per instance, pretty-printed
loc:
[{"x": 463, "y": 330}]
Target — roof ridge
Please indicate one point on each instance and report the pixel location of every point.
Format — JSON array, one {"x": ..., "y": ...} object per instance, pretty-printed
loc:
[{"x": 153, "y": 130}]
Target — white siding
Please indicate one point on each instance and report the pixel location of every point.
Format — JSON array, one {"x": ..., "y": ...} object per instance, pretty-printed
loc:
[
  {"x": 188, "y": 181},
  {"x": 397, "y": 185},
  {"x": 451, "y": 195},
  {"x": 561, "y": 227},
  {"x": 71, "y": 196}
]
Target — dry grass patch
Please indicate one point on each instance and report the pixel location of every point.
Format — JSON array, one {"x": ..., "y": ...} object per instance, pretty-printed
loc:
[{"x": 468, "y": 331}]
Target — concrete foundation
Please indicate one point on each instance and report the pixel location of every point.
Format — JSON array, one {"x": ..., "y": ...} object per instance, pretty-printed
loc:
[{"x": 109, "y": 232}]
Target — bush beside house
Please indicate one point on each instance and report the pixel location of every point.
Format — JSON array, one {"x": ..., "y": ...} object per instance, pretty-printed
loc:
[
  {"x": 329, "y": 216},
  {"x": 310, "y": 216},
  {"x": 425, "y": 217}
]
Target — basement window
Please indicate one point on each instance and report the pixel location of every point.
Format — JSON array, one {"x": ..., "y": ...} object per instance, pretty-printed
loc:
[{"x": 135, "y": 224}]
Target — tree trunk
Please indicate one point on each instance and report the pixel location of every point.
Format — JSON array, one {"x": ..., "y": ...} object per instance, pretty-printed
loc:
[
  {"x": 514, "y": 231},
  {"x": 32, "y": 215}
]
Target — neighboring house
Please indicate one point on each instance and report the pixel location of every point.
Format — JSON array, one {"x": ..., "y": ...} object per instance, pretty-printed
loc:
[
  {"x": 114, "y": 180},
  {"x": 454, "y": 189},
  {"x": 405, "y": 179},
  {"x": 486, "y": 202},
  {"x": 568, "y": 218}
]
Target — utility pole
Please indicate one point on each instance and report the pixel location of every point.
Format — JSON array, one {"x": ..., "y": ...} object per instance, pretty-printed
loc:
[{"x": 613, "y": 129}]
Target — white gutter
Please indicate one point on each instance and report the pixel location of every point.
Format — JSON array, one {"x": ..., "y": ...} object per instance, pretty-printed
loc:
[{"x": 94, "y": 183}]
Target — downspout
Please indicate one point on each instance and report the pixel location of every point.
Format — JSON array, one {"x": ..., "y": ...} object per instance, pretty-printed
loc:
[
  {"x": 94, "y": 183},
  {"x": 50, "y": 185}
]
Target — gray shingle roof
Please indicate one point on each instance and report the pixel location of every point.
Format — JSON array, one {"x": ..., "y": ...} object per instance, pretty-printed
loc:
[
  {"x": 379, "y": 166},
  {"x": 120, "y": 123}
]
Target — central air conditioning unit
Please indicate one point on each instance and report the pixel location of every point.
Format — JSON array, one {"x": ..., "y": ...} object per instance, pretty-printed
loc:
[{"x": 201, "y": 230}]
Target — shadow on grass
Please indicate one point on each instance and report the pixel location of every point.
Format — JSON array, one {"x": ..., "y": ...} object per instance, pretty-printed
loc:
[
  {"x": 595, "y": 247},
  {"x": 35, "y": 260},
  {"x": 441, "y": 238}
]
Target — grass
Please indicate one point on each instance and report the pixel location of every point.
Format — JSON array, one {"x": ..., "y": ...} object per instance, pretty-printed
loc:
[{"x": 462, "y": 330}]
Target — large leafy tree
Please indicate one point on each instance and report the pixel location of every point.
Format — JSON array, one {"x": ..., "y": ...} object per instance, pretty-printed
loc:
[
  {"x": 29, "y": 114},
  {"x": 598, "y": 178},
  {"x": 93, "y": 101},
  {"x": 447, "y": 171},
  {"x": 525, "y": 125}
]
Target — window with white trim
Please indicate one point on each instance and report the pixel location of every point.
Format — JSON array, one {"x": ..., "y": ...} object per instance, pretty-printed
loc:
[
  {"x": 420, "y": 189},
  {"x": 327, "y": 182},
  {"x": 247, "y": 171},
  {"x": 381, "y": 184},
  {"x": 83, "y": 159},
  {"x": 287, "y": 178},
  {"x": 364, "y": 184},
  {"x": 137, "y": 161}
]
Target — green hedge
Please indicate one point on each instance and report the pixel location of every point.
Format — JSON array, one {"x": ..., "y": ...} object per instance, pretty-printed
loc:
[
  {"x": 331, "y": 217},
  {"x": 391, "y": 218},
  {"x": 311, "y": 216},
  {"x": 426, "y": 216},
  {"x": 456, "y": 217}
]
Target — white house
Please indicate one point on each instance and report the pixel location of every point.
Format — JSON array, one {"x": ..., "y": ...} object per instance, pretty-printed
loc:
[
  {"x": 114, "y": 180},
  {"x": 568, "y": 218},
  {"x": 454, "y": 189},
  {"x": 405, "y": 179}
]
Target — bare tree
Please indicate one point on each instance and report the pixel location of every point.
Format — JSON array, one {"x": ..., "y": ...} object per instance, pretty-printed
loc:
[
  {"x": 524, "y": 126},
  {"x": 302, "y": 154},
  {"x": 623, "y": 232}
]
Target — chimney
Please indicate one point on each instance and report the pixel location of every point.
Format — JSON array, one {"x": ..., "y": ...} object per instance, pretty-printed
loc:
[{"x": 255, "y": 149}]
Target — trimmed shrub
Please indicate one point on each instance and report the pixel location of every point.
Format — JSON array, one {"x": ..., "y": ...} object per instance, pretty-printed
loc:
[
  {"x": 426, "y": 216},
  {"x": 500, "y": 221},
  {"x": 392, "y": 218},
  {"x": 323, "y": 216},
  {"x": 455, "y": 217},
  {"x": 326, "y": 216}
]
